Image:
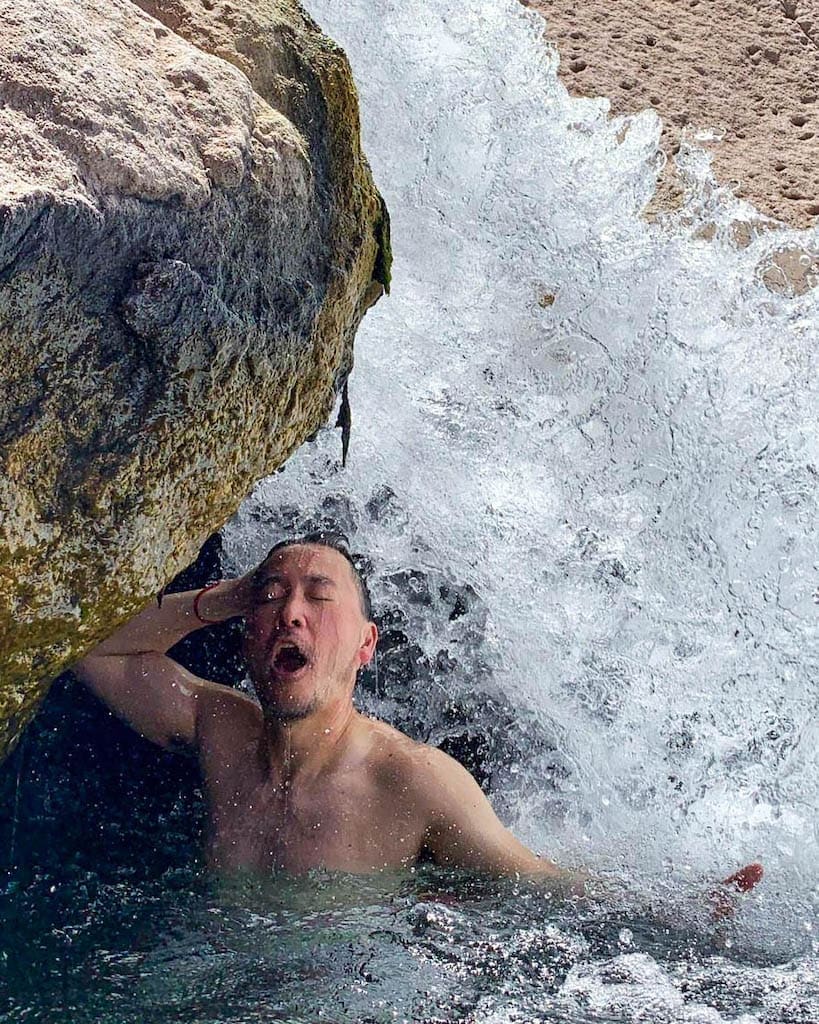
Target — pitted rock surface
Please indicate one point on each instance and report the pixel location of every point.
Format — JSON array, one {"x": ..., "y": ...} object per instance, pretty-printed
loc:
[
  {"x": 748, "y": 70},
  {"x": 189, "y": 237}
]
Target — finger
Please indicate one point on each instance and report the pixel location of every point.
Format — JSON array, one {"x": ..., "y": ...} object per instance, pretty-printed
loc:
[
  {"x": 746, "y": 878},
  {"x": 723, "y": 898}
]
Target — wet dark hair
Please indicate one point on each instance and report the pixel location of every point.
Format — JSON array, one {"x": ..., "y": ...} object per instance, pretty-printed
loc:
[{"x": 338, "y": 542}]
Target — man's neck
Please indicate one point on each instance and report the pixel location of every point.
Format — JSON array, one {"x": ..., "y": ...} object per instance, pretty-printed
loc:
[{"x": 305, "y": 746}]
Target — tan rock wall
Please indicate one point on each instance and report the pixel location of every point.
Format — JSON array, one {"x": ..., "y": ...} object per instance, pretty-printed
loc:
[
  {"x": 189, "y": 237},
  {"x": 747, "y": 68}
]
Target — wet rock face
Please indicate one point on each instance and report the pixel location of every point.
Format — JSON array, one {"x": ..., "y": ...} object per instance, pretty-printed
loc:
[{"x": 189, "y": 237}]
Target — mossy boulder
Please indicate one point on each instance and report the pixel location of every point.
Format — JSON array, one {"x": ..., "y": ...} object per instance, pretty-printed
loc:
[{"x": 189, "y": 238}]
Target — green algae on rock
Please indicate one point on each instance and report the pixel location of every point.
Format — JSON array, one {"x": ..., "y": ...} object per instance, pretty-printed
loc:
[{"x": 189, "y": 238}]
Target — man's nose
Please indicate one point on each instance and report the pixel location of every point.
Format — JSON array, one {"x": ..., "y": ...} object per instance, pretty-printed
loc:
[{"x": 292, "y": 610}]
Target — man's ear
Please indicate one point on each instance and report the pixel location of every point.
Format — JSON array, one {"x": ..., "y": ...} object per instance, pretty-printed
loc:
[{"x": 367, "y": 648}]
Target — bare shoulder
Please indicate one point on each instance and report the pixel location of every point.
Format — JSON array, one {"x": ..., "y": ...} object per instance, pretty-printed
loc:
[
  {"x": 418, "y": 768},
  {"x": 459, "y": 826}
]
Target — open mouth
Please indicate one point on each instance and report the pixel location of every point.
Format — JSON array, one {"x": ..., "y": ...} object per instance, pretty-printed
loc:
[{"x": 289, "y": 659}]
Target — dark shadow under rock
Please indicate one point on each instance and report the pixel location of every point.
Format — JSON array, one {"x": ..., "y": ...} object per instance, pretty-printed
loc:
[{"x": 84, "y": 793}]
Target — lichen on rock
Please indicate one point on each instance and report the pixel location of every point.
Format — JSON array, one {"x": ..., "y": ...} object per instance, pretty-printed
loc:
[{"x": 189, "y": 238}]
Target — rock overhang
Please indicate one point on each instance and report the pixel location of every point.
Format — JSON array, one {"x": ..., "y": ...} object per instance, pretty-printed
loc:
[{"x": 190, "y": 236}]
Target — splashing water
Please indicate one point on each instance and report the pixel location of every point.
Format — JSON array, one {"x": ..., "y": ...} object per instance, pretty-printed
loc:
[{"x": 603, "y": 431}]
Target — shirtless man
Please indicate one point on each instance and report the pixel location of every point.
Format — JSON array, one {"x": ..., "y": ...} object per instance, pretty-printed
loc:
[{"x": 302, "y": 780}]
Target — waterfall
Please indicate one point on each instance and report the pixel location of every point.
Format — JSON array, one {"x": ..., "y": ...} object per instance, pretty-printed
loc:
[{"x": 600, "y": 435}]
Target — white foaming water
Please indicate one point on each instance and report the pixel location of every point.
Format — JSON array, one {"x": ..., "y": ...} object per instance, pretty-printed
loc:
[{"x": 626, "y": 475}]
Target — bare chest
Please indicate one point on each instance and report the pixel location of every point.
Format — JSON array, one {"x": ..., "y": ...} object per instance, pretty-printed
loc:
[{"x": 343, "y": 823}]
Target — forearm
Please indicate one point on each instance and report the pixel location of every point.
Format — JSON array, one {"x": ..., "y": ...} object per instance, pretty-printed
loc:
[{"x": 159, "y": 627}]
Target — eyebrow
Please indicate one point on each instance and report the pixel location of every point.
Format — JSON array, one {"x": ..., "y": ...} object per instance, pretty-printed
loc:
[{"x": 315, "y": 578}]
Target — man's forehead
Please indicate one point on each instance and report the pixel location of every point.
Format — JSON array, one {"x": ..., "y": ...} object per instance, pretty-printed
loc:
[{"x": 314, "y": 559}]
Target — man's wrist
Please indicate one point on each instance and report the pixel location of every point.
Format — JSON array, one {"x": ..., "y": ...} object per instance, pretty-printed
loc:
[{"x": 218, "y": 602}]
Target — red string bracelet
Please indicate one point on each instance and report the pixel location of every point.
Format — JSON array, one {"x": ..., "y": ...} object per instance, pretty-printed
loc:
[{"x": 196, "y": 600}]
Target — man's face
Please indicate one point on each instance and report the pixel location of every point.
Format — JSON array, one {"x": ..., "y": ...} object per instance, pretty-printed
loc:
[{"x": 307, "y": 636}]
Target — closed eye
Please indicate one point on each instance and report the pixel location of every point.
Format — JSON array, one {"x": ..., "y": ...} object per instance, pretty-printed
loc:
[{"x": 320, "y": 588}]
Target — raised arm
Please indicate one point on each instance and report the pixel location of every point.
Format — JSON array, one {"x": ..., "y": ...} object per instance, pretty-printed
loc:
[
  {"x": 465, "y": 832},
  {"x": 132, "y": 674}
]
